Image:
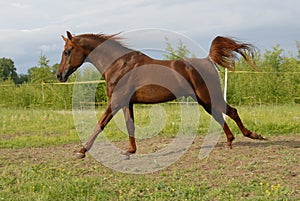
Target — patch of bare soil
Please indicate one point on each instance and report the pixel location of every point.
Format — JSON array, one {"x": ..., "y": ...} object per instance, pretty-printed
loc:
[{"x": 275, "y": 160}]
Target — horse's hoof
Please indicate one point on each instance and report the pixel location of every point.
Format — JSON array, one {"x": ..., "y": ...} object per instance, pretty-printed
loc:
[
  {"x": 258, "y": 137},
  {"x": 126, "y": 153},
  {"x": 229, "y": 145},
  {"x": 79, "y": 155},
  {"x": 261, "y": 137}
]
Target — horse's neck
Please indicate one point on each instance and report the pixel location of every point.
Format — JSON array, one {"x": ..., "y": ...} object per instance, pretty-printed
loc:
[{"x": 106, "y": 53}]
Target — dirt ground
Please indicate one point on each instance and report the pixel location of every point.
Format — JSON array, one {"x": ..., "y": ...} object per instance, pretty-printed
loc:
[{"x": 276, "y": 160}]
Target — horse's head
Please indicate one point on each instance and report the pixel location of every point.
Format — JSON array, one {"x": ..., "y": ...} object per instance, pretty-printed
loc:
[{"x": 73, "y": 57}]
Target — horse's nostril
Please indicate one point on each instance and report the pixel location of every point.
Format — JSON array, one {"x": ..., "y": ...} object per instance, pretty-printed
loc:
[{"x": 58, "y": 76}]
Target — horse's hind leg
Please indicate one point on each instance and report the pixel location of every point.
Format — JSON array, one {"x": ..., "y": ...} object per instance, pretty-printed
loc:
[
  {"x": 129, "y": 119},
  {"x": 219, "y": 118},
  {"x": 233, "y": 114}
]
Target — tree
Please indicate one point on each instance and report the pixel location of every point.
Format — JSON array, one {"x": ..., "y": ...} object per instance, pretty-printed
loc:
[
  {"x": 298, "y": 48},
  {"x": 8, "y": 70},
  {"x": 42, "y": 73},
  {"x": 23, "y": 78},
  {"x": 54, "y": 68},
  {"x": 274, "y": 58},
  {"x": 179, "y": 53},
  {"x": 43, "y": 62}
]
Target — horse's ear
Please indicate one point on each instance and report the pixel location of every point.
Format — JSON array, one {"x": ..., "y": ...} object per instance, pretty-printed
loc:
[
  {"x": 64, "y": 38},
  {"x": 69, "y": 35}
]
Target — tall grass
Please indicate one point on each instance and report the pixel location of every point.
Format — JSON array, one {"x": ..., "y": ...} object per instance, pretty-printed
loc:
[
  {"x": 27, "y": 128},
  {"x": 244, "y": 88},
  {"x": 263, "y": 88},
  {"x": 35, "y": 128}
]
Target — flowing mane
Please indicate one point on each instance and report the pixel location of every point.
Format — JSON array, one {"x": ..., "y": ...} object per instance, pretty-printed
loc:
[{"x": 102, "y": 37}]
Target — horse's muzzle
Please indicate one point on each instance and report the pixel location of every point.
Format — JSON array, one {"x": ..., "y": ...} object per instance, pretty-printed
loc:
[{"x": 62, "y": 77}]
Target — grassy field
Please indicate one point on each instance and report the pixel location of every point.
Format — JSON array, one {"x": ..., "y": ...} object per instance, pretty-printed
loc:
[{"x": 37, "y": 160}]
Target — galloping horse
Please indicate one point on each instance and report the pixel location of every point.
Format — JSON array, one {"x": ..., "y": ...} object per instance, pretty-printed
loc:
[{"x": 133, "y": 77}]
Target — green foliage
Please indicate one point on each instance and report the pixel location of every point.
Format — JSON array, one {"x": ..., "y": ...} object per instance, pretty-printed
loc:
[
  {"x": 88, "y": 90},
  {"x": 273, "y": 59},
  {"x": 42, "y": 73},
  {"x": 8, "y": 70},
  {"x": 23, "y": 78},
  {"x": 43, "y": 62},
  {"x": 298, "y": 48},
  {"x": 180, "y": 52},
  {"x": 40, "y": 94},
  {"x": 277, "y": 84}
]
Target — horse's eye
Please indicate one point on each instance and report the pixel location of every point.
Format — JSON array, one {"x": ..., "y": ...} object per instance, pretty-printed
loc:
[{"x": 67, "y": 52}]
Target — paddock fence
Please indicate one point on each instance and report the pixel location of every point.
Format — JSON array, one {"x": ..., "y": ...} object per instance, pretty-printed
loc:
[{"x": 243, "y": 88}]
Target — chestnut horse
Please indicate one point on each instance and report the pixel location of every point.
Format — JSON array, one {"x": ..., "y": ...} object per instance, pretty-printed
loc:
[{"x": 133, "y": 77}]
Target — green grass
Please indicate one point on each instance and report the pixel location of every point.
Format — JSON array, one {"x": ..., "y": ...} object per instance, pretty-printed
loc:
[
  {"x": 270, "y": 120},
  {"x": 38, "y": 128}
]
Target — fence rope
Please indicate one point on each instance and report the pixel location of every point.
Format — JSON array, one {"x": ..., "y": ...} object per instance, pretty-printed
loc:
[{"x": 103, "y": 81}]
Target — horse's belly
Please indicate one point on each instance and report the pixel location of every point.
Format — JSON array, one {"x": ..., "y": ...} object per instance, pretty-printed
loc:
[{"x": 156, "y": 94}]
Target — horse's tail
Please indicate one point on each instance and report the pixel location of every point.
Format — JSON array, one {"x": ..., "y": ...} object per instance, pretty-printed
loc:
[{"x": 224, "y": 52}]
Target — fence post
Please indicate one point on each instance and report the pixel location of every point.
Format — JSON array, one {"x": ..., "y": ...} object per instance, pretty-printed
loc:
[
  {"x": 225, "y": 84},
  {"x": 225, "y": 88},
  {"x": 43, "y": 94}
]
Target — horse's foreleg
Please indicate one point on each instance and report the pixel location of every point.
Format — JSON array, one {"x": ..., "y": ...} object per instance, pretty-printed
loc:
[
  {"x": 129, "y": 119},
  {"x": 233, "y": 114},
  {"x": 106, "y": 117}
]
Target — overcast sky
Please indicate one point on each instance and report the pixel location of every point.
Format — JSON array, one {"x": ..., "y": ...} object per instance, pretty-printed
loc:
[{"x": 31, "y": 28}]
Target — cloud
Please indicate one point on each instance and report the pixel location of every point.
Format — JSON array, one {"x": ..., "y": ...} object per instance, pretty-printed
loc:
[
  {"x": 32, "y": 27},
  {"x": 20, "y": 5},
  {"x": 25, "y": 46}
]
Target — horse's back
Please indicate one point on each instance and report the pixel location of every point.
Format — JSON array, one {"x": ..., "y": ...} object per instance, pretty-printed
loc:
[{"x": 207, "y": 80}]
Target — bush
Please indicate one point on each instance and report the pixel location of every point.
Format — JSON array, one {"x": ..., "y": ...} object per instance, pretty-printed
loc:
[
  {"x": 259, "y": 88},
  {"x": 277, "y": 84}
]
